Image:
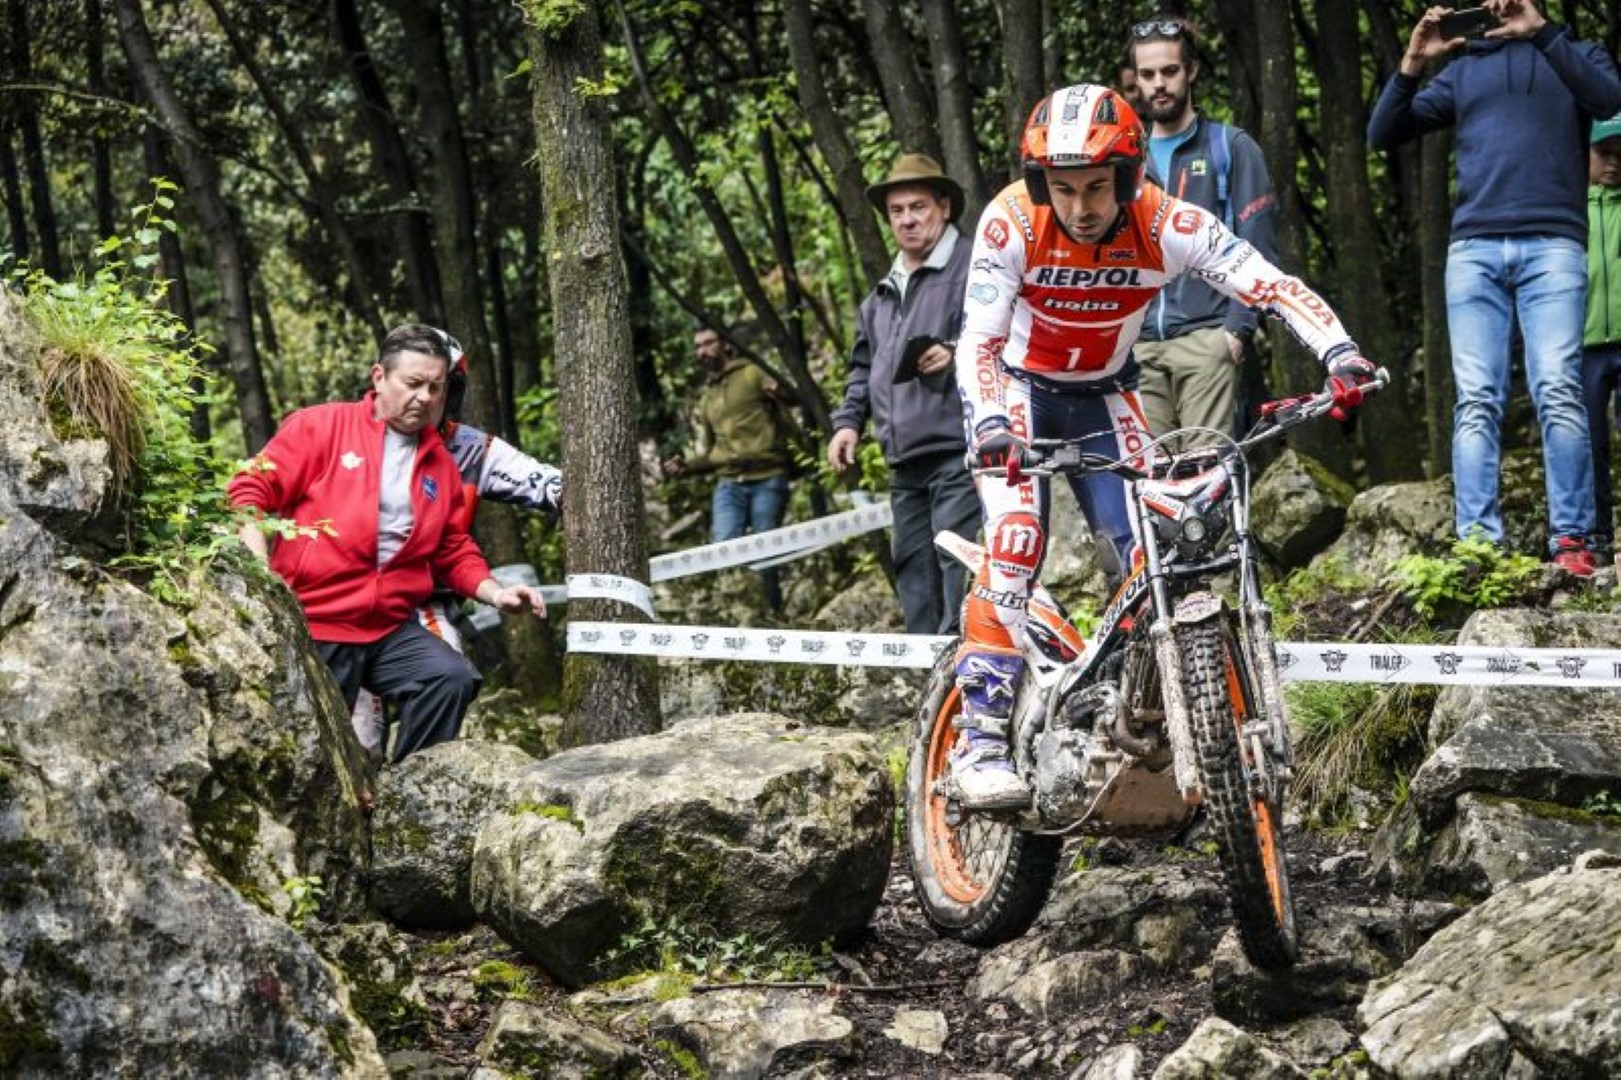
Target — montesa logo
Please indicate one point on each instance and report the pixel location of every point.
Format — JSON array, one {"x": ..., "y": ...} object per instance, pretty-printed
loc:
[{"x": 1081, "y": 277}]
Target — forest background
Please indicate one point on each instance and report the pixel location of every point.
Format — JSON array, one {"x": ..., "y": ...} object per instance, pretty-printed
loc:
[{"x": 348, "y": 165}]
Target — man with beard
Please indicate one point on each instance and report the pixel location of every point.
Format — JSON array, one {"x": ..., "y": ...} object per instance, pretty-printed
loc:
[{"x": 1195, "y": 340}]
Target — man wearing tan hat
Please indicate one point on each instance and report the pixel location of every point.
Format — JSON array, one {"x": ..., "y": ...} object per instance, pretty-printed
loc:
[{"x": 901, "y": 376}]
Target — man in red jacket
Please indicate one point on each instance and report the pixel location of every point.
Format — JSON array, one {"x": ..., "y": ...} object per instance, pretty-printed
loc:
[{"x": 370, "y": 502}]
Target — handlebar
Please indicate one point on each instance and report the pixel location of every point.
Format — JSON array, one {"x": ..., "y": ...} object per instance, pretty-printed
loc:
[{"x": 1055, "y": 457}]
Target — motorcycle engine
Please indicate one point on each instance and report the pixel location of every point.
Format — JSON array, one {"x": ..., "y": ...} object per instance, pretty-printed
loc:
[{"x": 1065, "y": 753}]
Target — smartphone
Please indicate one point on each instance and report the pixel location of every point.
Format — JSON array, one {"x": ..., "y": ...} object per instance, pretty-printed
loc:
[{"x": 1468, "y": 23}]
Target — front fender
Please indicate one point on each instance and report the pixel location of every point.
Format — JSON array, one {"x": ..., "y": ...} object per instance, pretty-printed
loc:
[{"x": 1198, "y": 607}]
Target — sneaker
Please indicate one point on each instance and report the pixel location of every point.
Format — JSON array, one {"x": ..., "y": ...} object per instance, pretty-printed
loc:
[
  {"x": 984, "y": 776},
  {"x": 1571, "y": 555}
]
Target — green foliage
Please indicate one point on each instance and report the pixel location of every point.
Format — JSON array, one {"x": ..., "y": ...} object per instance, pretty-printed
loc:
[
  {"x": 116, "y": 365},
  {"x": 564, "y": 814},
  {"x": 554, "y": 17},
  {"x": 497, "y": 979},
  {"x": 684, "y": 1060},
  {"x": 674, "y": 948},
  {"x": 306, "y": 894},
  {"x": 1309, "y": 585},
  {"x": 1355, "y": 735},
  {"x": 1605, "y": 804},
  {"x": 1476, "y": 574}
]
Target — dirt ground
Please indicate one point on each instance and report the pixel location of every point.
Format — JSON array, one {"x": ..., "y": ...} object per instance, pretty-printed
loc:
[{"x": 914, "y": 968}]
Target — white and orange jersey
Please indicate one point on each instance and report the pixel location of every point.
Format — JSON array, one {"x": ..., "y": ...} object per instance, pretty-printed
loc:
[{"x": 1039, "y": 302}]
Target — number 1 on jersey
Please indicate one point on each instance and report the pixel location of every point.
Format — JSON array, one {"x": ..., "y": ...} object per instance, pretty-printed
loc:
[{"x": 1074, "y": 359}]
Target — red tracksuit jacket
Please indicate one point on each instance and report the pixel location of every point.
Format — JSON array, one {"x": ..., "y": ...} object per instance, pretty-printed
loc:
[{"x": 321, "y": 471}]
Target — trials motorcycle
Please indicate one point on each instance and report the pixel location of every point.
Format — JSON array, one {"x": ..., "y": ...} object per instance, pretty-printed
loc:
[{"x": 1175, "y": 704}]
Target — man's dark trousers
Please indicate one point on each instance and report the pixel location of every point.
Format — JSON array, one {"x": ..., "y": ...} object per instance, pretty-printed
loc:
[
  {"x": 928, "y": 494},
  {"x": 431, "y": 683}
]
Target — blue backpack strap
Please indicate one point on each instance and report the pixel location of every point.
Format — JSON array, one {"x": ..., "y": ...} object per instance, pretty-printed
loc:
[{"x": 1221, "y": 160}]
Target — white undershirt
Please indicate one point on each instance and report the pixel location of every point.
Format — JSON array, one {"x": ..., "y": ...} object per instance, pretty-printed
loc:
[{"x": 394, "y": 518}]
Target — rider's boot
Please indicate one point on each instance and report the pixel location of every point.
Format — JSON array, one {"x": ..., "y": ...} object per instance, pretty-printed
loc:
[{"x": 981, "y": 767}]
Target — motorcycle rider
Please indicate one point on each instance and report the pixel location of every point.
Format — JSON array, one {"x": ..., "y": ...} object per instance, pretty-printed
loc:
[{"x": 1065, "y": 264}]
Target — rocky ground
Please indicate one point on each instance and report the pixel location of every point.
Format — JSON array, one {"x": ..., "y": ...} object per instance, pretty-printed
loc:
[{"x": 900, "y": 964}]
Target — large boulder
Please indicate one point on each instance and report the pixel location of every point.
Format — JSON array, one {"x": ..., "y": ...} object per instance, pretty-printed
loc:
[
  {"x": 1491, "y": 842},
  {"x": 750, "y": 823},
  {"x": 1546, "y": 743},
  {"x": 429, "y": 811},
  {"x": 1299, "y": 508},
  {"x": 164, "y": 772},
  {"x": 1391, "y": 521},
  {"x": 1526, "y": 984}
]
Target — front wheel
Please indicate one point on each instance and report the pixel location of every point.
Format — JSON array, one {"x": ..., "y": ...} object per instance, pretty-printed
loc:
[
  {"x": 978, "y": 877},
  {"x": 1248, "y": 824}
]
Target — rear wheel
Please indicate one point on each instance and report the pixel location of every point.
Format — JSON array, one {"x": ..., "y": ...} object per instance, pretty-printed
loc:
[
  {"x": 1247, "y": 824},
  {"x": 979, "y": 878}
]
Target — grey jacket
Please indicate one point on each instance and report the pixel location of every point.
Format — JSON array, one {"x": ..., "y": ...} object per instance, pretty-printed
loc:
[
  {"x": 1187, "y": 303},
  {"x": 920, "y": 416}
]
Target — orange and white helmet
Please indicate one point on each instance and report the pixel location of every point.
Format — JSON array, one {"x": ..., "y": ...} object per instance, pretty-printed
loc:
[{"x": 1079, "y": 127}]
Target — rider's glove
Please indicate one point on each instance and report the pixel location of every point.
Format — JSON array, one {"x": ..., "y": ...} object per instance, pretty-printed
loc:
[
  {"x": 995, "y": 446},
  {"x": 1346, "y": 378}
]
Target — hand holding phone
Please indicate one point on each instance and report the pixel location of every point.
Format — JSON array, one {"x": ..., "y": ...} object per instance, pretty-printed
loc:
[{"x": 1468, "y": 23}]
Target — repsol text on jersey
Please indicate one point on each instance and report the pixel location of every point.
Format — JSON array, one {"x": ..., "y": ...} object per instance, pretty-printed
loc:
[{"x": 1082, "y": 277}]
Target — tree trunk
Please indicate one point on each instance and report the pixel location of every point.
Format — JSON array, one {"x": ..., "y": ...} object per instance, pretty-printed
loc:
[
  {"x": 1295, "y": 369},
  {"x": 362, "y": 297},
  {"x": 1361, "y": 297},
  {"x": 605, "y": 697},
  {"x": 39, "y": 174},
  {"x": 910, "y": 108},
  {"x": 833, "y": 140},
  {"x": 1237, "y": 21},
  {"x": 201, "y": 174},
  {"x": 954, "y": 100},
  {"x": 391, "y": 160},
  {"x": 1434, "y": 237},
  {"x": 101, "y": 161},
  {"x": 1021, "y": 67},
  {"x": 11, "y": 185}
]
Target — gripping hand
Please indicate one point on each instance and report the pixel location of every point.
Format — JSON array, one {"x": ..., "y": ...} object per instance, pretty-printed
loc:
[
  {"x": 996, "y": 447},
  {"x": 1346, "y": 378}
]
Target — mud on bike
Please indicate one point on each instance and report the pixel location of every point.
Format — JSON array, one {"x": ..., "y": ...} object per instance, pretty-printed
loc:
[{"x": 1175, "y": 704}]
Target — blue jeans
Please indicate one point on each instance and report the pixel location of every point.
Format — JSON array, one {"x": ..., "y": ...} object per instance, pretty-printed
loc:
[
  {"x": 1542, "y": 280},
  {"x": 750, "y": 506}
]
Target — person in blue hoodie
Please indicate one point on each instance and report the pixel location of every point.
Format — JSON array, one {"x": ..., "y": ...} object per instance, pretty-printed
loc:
[{"x": 1522, "y": 99}]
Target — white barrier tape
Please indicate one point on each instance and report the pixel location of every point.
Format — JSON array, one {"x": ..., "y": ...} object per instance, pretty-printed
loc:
[
  {"x": 1299, "y": 661},
  {"x": 770, "y": 646},
  {"x": 611, "y": 587},
  {"x": 1449, "y": 665},
  {"x": 759, "y": 551},
  {"x": 775, "y": 544}
]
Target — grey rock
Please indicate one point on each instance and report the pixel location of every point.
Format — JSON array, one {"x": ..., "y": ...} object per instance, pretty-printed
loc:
[
  {"x": 755, "y": 823},
  {"x": 1154, "y": 911},
  {"x": 1122, "y": 1062},
  {"x": 429, "y": 810},
  {"x": 1070, "y": 982},
  {"x": 162, "y": 774},
  {"x": 740, "y": 1034},
  {"x": 1530, "y": 976},
  {"x": 920, "y": 1029},
  {"x": 1386, "y": 523},
  {"x": 527, "y": 1040},
  {"x": 1218, "y": 1049},
  {"x": 1492, "y": 842},
  {"x": 1299, "y": 508},
  {"x": 1314, "y": 1041},
  {"x": 1342, "y": 950}
]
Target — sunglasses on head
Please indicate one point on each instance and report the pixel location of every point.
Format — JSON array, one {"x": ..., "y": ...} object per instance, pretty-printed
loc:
[{"x": 1163, "y": 27}]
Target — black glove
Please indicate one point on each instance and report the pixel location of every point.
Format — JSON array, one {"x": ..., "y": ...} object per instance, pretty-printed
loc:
[
  {"x": 1346, "y": 378},
  {"x": 996, "y": 447}
]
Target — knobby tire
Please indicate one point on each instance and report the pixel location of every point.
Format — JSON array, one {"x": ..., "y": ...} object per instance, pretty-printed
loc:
[
  {"x": 982, "y": 881},
  {"x": 1248, "y": 828}
]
